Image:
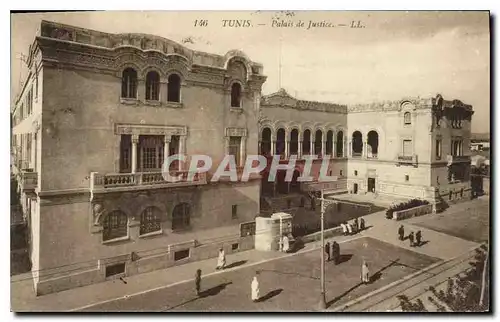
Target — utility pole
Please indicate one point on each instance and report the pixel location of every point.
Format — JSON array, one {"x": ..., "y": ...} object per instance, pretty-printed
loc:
[
  {"x": 322, "y": 300},
  {"x": 483, "y": 284}
]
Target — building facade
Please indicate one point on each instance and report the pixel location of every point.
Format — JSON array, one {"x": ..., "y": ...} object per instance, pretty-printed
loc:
[{"x": 96, "y": 117}]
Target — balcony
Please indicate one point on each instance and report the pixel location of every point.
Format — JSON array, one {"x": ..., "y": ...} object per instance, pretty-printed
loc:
[
  {"x": 143, "y": 180},
  {"x": 29, "y": 180},
  {"x": 239, "y": 172},
  {"x": 458, "y": 159},
  {"x": 407, "y": 159},
  {"x": 357, "y": 154}
]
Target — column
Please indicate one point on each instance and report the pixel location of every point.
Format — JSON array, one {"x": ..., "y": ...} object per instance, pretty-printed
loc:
[
  {"x": 365, "y": 149},
  {"x": 334, "y": 147},
  {"x": 312, "y": 144},
  {"x": 166, "y": 150},
  {"x": 323, "y": 145},
  {"x": 287, "y": 149},
  {"x": 135, "y": 140},
  {"x": 273, "y": 146},
  {"x": 226, "y": 145},
  {"x": 182, "y": 141},
  {"x": 345, "y": 151},
  {"x": 299, "y": 153},
  {"x": 243, "y": 149}
]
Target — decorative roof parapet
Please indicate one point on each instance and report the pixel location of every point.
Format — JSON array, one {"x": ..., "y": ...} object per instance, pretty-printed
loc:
[{"x": 397, "y": 105}]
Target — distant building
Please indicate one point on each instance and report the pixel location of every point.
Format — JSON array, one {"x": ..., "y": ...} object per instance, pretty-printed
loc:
[{"x": 480, "y": 142}]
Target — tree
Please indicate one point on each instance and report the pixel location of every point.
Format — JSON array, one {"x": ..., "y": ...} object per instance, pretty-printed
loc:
[{"x": 463, "y": 293}]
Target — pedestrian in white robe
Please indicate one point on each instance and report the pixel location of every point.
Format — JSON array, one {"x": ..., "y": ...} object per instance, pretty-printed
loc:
[
  {"x": 221, "y": 260},
  {"x": 349, "y": 229},
  {"x": 365, "y": 273},
  {"x": 286, "y": 244},
  {"x": 255, "y": 289}
]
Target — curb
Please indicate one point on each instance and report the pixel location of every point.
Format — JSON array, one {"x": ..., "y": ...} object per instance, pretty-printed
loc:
[
  {"x": 207, "y": 275},
  {"x": 341, "y": 308}
]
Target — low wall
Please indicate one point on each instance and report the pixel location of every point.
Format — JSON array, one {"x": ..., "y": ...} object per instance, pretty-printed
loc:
[{"x": 412, "y": 212}]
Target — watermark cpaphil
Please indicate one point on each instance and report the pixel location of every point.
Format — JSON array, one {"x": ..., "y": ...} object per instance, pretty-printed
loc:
[{"x": 254, "y": 164}]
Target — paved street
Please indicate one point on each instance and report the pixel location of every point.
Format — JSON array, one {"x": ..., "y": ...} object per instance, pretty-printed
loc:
[
  {"x": 469, "y": 220},
  {"x": 291, "y": 283}
]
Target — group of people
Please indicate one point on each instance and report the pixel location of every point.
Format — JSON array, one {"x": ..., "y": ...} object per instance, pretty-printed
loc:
[
  {"x": 332, "y": 251},
  {"x": 354, "y": 227},
  {"x": 415, "y": 239}
]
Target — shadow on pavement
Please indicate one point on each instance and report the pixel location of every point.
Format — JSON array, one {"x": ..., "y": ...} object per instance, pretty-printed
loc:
[
  {"x": 236, "y": 264},
  {"x": 344, "y": 258},
  {"x": 271, "y": 295},
  {"x": 373, "y": 278}
]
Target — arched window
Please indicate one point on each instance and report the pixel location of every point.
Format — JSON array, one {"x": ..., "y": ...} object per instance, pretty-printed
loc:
[
  {"x": 372, "y": 144},
  {"x": 280, "y": 142},
  {"x": 340, "y": 144},
  {"x": 181, "y": 217},
  {"x": 318, "y": 142},
  {"x": 329, "y": 143},
  {"x": 153, "y": 86},
  {"x": 407, "y": 118},
  {"x": 174, "y": 88},
  {"x": 306, "y": 142},
  {"x": 265, "y": 144},
  {"x": 129, "y": 83},
  {"x": 236, "y": 95},
  {"x": 150, "y": 221},
  {"x": 357, "y": 144},
  {"x": 115, "y": 225},
  {"x": 294, "y": 142}
]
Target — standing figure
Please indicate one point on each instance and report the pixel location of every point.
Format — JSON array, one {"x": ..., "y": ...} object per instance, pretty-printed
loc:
[
  {"x": 401, "y": 232},
  {"x": 362, "y": 224},
  {"x": 255, "y": 288},
  {"x": 344, "y": 229},
  {"x": 335, "y": 252},
  {"x": 327, "y": 251},
  {"x": 356, "y": 225},
  {"x": 286, "y": 244},
  {"x": 418, "y": 236},
  {"x": 197, "y": 281},
  {"x": 411, "y": 237},
  {"x": 221, "y": 260},
  {"x": 365, "y": 273}
]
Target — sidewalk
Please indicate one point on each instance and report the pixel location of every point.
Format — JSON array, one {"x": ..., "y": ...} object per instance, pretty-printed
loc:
[{"x": 23, "y": 298}]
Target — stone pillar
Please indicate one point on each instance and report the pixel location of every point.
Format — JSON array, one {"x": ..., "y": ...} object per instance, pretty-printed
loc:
[
  {"x": 323, "y": 145},
  {"x": 226, "y": 145},
  {"x": 166, "y": 150},
  {"x": 334, "y": 148},
  {"x": 287, "y": 149},
  {"x": 141, "y": 90},
  {"x": 299, "y": 153},
  {"x": 273, "y": 147},
  {"x": 345, "y": 151},
  {"x": 135, "y": 140},
  {"x": 350, "y": 149}
]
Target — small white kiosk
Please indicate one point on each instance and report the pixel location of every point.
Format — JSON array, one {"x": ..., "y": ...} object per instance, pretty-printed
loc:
[{"x": 268, "y": 231}]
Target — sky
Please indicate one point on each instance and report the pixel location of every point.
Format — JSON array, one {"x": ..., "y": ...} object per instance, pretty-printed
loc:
[{"x": 396, "y": 54}]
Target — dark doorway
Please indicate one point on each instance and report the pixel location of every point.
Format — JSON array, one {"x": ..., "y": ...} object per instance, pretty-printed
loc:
[
  {"x": 355, "y": 189},
  {"x": 371, "y": 184}
]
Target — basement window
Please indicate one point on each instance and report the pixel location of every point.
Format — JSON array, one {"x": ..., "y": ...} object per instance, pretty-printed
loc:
[
  {"x": 235, "y": 246},
  {"x": 407, "y": 178},
  {"x": 181, "y": 254},
  {"x": 115, "y": 269}
]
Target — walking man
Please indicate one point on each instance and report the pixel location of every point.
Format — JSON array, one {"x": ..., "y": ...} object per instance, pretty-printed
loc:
[
  {"x": 332, "y": 251},
  {"x": 344, "y": 229},
  {"x": 336, "y": 252},
  {"x": 327, "y": 251},
  {"x": 362, "y": 224},
  {"x": 365, "y": 273},
  {"x": 401, "y": 232},
  {"x": 221, "y": 260},
  {"x": 418, "y": 236},
  {"x": 349, "y": 229},
  {"x": 412, "y": 239},
  {"x": 356, "y": 225},
  {"x": 197, "y": 281}
]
